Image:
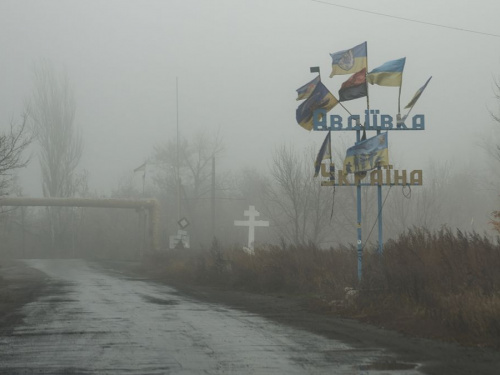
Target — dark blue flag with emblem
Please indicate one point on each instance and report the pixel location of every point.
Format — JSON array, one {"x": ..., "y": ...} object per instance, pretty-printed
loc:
[
  {"x": 320, "y": 98},
  {"x": 349, "y": 61}
]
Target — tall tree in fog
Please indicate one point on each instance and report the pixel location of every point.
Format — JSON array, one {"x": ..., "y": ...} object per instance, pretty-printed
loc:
[
  {"x": 52, "y": 111},
  {"x": 185, "y": 173},
  {"x": 492, "y": 146},
  {"x": 12, "y": 144}
]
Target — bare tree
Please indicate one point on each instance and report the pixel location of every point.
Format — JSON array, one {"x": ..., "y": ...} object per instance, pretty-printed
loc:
[
  {"x": 298, "y": 205},
  {"x": 52, "y": 110},
  {"x": 12, "y": 145},
  {"x": 492, "y": 146}
]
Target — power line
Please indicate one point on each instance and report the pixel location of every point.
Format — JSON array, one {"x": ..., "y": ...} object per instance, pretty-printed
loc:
[{"x": 408, "y": 19}]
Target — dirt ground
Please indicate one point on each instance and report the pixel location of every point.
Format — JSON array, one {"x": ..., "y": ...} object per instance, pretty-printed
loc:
[{"x": 20, "y": 284}]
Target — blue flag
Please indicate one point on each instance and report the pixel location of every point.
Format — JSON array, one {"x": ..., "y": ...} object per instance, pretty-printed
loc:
[
  {"x": 367, "y": 154},
  {"x": 320, "y": 98}
]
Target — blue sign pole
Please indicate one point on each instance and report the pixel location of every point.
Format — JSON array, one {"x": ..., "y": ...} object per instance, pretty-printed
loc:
[
  {"x": 379, "y": 199},
  {"x": 358, "y": 201},
  {"x": 360, "y": 248},
  {"x": 380, "y": 236}
]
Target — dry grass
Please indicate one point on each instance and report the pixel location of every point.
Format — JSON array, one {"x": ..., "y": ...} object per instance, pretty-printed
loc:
[
  {"x": 443, "y": 284},
  {"x": 445, "y": 277}
]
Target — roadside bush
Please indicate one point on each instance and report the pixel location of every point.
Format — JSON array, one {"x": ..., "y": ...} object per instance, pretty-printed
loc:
[{"x": 445, "y": 276}]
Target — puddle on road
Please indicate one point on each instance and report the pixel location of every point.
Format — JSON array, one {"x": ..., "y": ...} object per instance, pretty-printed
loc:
[
  {"x": 159, "y": 301},
  {"x": 388, "y": 366}
]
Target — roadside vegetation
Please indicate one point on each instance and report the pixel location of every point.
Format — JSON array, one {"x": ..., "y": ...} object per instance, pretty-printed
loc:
[{"x": 441, "y": 284}]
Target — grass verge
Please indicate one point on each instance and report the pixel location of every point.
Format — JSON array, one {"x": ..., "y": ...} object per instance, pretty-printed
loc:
[{"x": 442, "y": 285}]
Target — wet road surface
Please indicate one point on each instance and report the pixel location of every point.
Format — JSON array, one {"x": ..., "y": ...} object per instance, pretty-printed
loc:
[{"x": 96, "y": 321}]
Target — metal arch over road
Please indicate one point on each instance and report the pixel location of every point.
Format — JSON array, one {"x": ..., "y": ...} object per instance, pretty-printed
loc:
[{"x": 148, "y": 204}]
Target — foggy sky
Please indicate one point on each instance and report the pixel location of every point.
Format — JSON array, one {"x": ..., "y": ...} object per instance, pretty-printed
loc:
[{"x": 238, "y": 64}]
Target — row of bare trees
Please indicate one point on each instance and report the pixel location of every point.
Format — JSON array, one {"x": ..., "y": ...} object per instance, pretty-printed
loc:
[
  {"x": 49, "y": 120},
  {"x": 299, "y": 209}
]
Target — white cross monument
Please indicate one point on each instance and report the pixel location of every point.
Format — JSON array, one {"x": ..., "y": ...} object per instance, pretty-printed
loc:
[{"x": 251, "y": 223}]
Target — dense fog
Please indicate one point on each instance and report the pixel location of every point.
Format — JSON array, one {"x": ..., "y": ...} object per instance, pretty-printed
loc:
[{"x": 186, "y": 86}]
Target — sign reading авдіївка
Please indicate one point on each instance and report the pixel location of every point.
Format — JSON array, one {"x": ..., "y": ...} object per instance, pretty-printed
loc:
[{"x": 373, "y": 120}]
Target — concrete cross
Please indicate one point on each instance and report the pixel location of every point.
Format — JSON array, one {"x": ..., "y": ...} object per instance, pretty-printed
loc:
[{"x": 251, "y": 223}]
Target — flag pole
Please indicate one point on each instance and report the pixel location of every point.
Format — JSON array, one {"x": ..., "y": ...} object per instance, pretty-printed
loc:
[
  {"x": 379, "y": 186},
  {"x": 358, "y": 187},
  {"x": 350, "y": 114},
  {"x": 177, "y": 149},
  {"x": 399, "y": 96},
  {"x": 366, "y": 81},
  {"x": 400, "y": 85},
  {"x": 143, "y": 181}
]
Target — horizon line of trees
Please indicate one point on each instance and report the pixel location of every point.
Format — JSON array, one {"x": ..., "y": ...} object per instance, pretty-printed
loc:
[{"x": 186, "y": 184}]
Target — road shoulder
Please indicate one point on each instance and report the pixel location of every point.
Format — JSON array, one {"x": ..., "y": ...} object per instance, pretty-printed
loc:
[
  {"x": 19, "y": 285},
  {"x": 434, "y": 356}
]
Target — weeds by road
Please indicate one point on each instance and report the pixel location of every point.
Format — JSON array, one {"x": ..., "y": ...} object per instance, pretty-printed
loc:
[{"x": 443, "y": 285}]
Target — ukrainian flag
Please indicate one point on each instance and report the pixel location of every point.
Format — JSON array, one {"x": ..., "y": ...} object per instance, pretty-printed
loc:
[
  {"x": 417, "y": 95},
  {"x": 320, "y": 98},
  {"x": 349, "y": 61},
  {"x": 367, "y": 155},
  {"x": 388, "y": 74}
]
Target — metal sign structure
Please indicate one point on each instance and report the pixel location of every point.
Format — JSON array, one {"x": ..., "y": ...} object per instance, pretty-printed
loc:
[
  {"x": 367, "y": 155},
  {"x": 382, "y": 176}
]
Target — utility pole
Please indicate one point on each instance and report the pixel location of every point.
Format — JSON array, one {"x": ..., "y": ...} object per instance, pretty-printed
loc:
[
  {"x": 177, "y": 155},
  {"x": 213, "y": 196}
]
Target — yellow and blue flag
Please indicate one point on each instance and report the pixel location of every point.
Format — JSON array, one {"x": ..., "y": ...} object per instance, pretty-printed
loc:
[
  {"x": 324, "y": 153},
  {"x": 305, "y": 91},
  {"x": 417, "y": 95},
  {"x": 320, "y": 98},
  {"x": 367, "y": 155},
  {"x": 349, "y": 61},
  {"x": 388, "y": 74}
]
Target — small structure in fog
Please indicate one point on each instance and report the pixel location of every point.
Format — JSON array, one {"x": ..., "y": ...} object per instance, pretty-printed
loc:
[{"x": 251, "y": 223}]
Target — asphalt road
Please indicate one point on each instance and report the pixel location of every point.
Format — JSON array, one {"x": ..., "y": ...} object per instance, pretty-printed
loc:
[{"x": 93, "y": 320}]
